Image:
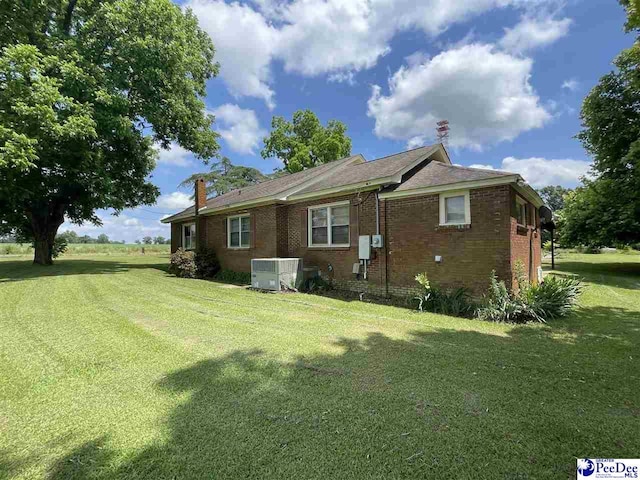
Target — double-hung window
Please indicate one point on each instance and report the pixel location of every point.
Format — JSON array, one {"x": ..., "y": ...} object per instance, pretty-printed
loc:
[
  {"x": 521, "y": 211},
  {"x": 189, "y": 236},
  {"x": 239, "y": 231},
  {"x": 455, "y": 208},
  {"x": 329, "y": 225}
]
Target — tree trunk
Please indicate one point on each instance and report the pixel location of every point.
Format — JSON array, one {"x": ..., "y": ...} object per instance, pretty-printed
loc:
[
  {"x": 43, "y": 250},
  {"x": 44, "y": 225}
]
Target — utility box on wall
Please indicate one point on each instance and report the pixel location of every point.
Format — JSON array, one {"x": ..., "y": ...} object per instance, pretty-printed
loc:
[
  {"x": 376, "y": 241},
  {"x": 364, "y": 250}
]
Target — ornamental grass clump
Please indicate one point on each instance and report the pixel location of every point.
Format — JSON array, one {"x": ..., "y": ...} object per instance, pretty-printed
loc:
[{"x": 552, "y": 298}]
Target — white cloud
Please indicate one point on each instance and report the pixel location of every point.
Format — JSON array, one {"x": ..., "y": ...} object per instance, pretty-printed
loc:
[
  {"x": 532, "y": 33},
  {"x": 242, "y": 133},
  {"x": 571, "y": 84},
  {"x": 314, "y": 37},
  {"x": 539, "y": 172},
  {"x": 415, "y": 142},
  {"x": 245, "y": 45},
  {"x": 174, "y": 201},
  {"x": 484, "y": 93},
  {"x": 483, "y": 167},
  {"x": 176, "y": 155}
]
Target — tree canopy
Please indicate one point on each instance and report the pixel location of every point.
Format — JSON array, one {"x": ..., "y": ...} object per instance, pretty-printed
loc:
[
  {"x": 553, "y": 196},
  {"x": 304, "y": 143},
  {"x": 606, "y": 210},
  {"x": 86, "y": 89},
  {"x": 224, "y": 177}
]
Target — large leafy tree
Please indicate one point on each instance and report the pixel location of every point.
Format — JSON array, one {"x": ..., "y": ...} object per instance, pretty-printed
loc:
[
  {"x": 304, "y": 143},
  {"x": 224, "y": 177},
  {"x": 86, "y": 88},
  {"x": 606, "y": 210},
  {"x": 553, "y": 196}
]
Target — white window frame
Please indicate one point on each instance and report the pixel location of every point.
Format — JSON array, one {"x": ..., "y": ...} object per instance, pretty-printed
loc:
[
  {"x": 523, "y": 202},
  {"x": 240, "y": 246},
  {"x": 329, "y": 243},
  {"x": 192, "y": 236},
  {"x": 467, "y": 207}
]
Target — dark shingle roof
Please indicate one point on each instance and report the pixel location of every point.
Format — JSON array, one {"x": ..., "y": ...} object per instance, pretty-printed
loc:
[
  {"x": 352, "y": 171},
  {"x": 271, "y": 188},
  {"x": 436, "y": 173},
  {"x": 374, "y": 170}
]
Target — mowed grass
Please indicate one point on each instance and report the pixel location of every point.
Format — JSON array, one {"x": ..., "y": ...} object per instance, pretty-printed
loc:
[{"x": 111, "y": 368}]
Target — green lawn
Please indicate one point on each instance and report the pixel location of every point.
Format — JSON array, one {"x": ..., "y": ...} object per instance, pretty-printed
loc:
[{"x": 111, "y": 368}]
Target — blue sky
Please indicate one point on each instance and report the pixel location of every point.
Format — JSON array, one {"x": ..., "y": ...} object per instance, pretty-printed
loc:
[{"x": 509, "y": 75}]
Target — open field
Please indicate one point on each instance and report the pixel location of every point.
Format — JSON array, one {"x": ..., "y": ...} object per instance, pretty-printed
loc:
[
  {"x": 87, "y": 249},
  {"x": 111, "y": 368}
]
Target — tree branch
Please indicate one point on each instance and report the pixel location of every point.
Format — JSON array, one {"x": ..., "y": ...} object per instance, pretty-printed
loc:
[{"x": 66, "y": 25}]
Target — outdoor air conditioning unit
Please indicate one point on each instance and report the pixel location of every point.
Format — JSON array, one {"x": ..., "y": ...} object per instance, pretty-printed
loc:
[{"x": 276, "y": 274}]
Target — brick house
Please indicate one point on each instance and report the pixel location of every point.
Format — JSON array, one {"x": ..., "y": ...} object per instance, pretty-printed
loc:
[{"x": 457, "y": 224}]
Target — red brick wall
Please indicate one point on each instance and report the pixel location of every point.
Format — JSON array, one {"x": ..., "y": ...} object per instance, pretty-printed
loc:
[
  {"x": 176, "y": 239},
  {"x": 525, "y": 239},
  {"x": 341, "y": 259},
  {"x": 469, "y": 253},
  {"x": 263, "y": 237},
  {"x": 412, "y": 238}
]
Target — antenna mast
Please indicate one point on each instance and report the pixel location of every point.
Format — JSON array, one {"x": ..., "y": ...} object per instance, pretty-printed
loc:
[{"x": 442, "y": 131}]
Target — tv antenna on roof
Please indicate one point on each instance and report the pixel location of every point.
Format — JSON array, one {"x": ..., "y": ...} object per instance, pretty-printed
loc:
[{"x": 442, "y": 131}]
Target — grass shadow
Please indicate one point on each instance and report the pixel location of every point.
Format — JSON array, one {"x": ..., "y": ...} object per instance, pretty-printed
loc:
[
  {"x": 11, "y": 270},
  {"x": 440, "y": 403}
]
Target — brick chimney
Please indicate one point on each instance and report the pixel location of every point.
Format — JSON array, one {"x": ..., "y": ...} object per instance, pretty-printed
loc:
[{"x": 200, "y": 194}]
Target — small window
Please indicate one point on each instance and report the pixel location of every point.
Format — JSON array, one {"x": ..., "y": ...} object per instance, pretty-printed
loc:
[
  {"x": 239, "y": 229},
  {"x": 455, "y": 208},
  {"x": 521, "y": 211},
  {"x": 189, "y": 236},
  {"x": 329, "y": 226}
]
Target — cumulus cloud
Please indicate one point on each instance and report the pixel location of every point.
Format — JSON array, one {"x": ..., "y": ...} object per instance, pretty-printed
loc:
[
  {"x": 240, "y": 128},
  {"x": 483, "y": 92},
  {"x": 483, "y": 167},
  {"x": 539, "y": 171},
  {"x": 176, "y": 156},
  {"x": 314, "y": 37},
  {"x": 531, "y": 33},
  {"x": 245, "y": 46},
  {"x": 174, "y": 201}
]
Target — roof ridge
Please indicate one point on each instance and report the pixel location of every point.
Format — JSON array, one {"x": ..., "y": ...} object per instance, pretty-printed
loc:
[{"x": 401, "y": 153}]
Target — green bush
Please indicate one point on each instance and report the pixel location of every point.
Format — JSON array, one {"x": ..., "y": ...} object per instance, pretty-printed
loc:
[
  {"x": 59, "y": 247},
  {"x": 183, "y": 264},
  {"x": 206, "y": 263},
  {"x": 315, "y": 284},
  {"x": 230, "y": 276},
  {"x": 588, "y": 249},
  {"x": 456, "y": 302},
  {"x": 552, "y": 298},
  {"x": 500, "y": 305},
  {"x": 546, "y": 246}
]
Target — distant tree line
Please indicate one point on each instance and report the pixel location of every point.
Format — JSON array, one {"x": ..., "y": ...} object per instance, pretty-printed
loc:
[{"x": 154, "y": 241}]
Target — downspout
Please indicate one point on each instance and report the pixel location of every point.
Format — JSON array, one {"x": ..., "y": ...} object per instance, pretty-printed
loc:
[{"x": 378, "y": 213}]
